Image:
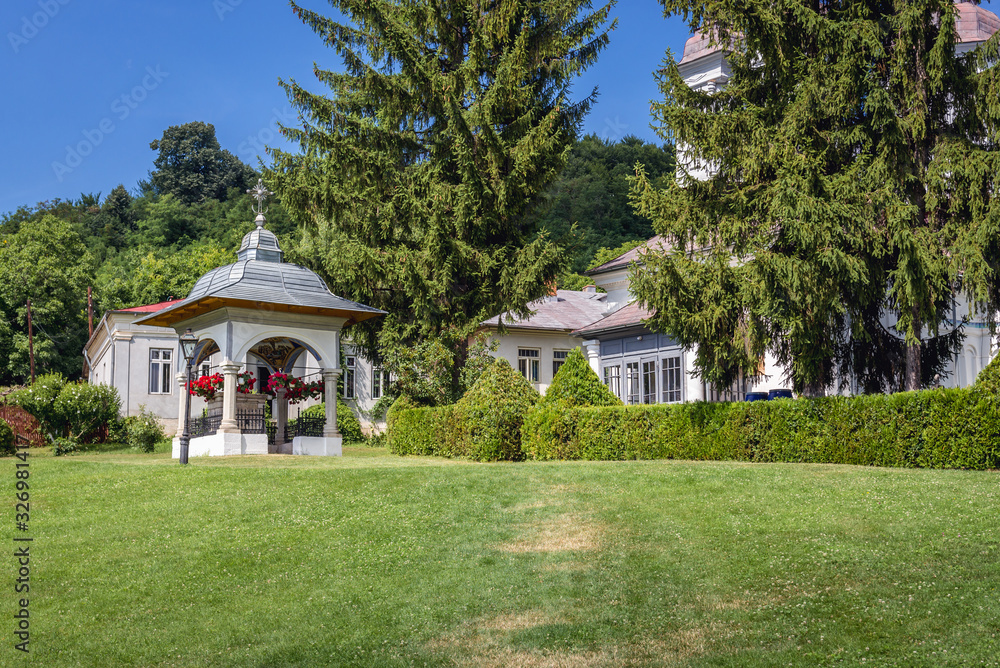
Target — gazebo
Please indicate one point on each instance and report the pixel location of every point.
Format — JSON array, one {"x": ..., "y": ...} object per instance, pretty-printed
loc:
[{"x": 275, "y": 310}]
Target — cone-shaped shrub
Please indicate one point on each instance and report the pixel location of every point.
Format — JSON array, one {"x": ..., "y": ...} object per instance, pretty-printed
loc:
[
  {"x": 575, "y": 385},
  {"x": 492, "y": 412},
  {"x": 989, "y": 378}
]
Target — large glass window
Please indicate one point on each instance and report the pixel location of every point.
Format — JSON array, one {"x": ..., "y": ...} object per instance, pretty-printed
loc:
[
  {"x": 613, "y": 379},
  {"x": 632, "y": 382},
  {"x": 159, "y": 370},
  {"x": 558, "y": 359},
  {"x": 672, "y": 380},
  {"x": 350, "y": 362},
  {"x": 649, "y": 382},
  {"x": 527, "y": 363}
]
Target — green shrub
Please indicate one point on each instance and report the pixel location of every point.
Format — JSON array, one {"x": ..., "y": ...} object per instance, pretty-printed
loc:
[
  {"x": 575, "y": 385},
  {"x": 988, "y": 379},
  {"x": 87, "y": 408},
  {"x": 118, "y": 429},
  {"x": 65, "y": 446},
  {"x": 40, "y": 401},
  {"x": 6, "y": 439},
  {"x": 402, "y": 403},
  {"x": 144, "y": 431},
  {"x": 74, "y": 410},
  {"x": 347, "y": 422},
  {"x": 932, "y": 429},
  {"x": 490, "y": 415}
]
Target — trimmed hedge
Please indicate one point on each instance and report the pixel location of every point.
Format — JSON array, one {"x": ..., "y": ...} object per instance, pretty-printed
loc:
[
  {"x": 988, "y": 379},
  {"x": 575, "y": 385},
  {"x": 931, "y": 429},
  {"x": 485, "y": 424}
]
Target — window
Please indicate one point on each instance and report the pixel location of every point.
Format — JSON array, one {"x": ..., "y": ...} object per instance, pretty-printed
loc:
[
  {"x": 558, "y": 359},
  {"x": 380, "y": 381},
  {"x": 632, "y": 382},
  {"x": 527, "y": 363},
  {"x": 613, "y": 379},
  {"x": 351, "y": 363},
  {"x": 206, "y": 369},
  {"x": 649, "y": 382},
  {"x": 672, "y": 380},
  {"x": 159, "y": 371},
  {"x": 263, "y": 375}
]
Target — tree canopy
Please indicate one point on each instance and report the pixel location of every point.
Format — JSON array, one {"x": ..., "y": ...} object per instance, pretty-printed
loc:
[
  {"x": 850, "y": 196},
  {"x": 420, "y": 168},
  {"x": 191, "y": 166}
]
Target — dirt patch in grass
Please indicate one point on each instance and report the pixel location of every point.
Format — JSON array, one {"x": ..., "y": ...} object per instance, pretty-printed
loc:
[
  {"x": 492, "y": 643},
  {"x": 562, "y": 533}
]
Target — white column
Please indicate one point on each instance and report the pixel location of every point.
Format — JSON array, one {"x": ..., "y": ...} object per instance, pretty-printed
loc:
[
  {"x": 281, "y": 417},
  {"x": 330, "y": 377},
  {"x": 183, "y": 389},
  {"x": 592, "y": 351},
  {"x": 228, "y": 424},
  {"x": 695, "y": 385}
]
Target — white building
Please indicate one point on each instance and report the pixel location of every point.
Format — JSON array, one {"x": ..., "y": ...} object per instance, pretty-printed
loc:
[
  {"x": 259, "y": 315},
  {"x": 538, "y": 345},
  {"x": 641, "y": 366}
]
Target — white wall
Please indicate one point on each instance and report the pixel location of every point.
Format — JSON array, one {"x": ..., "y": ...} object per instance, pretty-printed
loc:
[{"x": 545, "y": 342}]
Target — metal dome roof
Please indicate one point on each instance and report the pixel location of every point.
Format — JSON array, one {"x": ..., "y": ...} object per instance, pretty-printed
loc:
[
  {"x": 260, "y": 244},
  {"x": 260, "y": 279}
]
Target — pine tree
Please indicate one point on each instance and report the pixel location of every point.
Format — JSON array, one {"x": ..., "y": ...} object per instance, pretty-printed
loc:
[
  {"x": 854, "y": 163},
  {"x": 418, "y": 171}
]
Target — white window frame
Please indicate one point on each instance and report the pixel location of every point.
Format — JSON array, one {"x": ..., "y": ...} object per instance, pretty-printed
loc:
[
  {"x": 633, "y": 383},
  {"x": 613, "y": 379},
  {"x": 558, "y": 359},
  {"x": 528, "y": 363},
  {"x": 380, "y": 382},
  {"x": 648, "y": 380},
  {"x": 350, "y": 374},
  {"x": 672, "y": 386},
  {"x": 161, "y": 361}
]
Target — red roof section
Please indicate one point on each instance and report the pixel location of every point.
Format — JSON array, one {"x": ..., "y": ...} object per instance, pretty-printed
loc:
[
  {"x": 974, "y": 23},
  {"x": 150, "y": 308}
]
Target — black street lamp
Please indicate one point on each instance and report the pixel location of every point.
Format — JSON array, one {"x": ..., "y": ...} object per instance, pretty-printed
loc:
[{"x": 188, "y": 343}]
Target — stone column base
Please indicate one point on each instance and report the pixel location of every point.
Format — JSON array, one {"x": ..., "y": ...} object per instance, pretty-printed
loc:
[
  {"x": 223, "y": 445},
  {"x": 319, "y": 446}
]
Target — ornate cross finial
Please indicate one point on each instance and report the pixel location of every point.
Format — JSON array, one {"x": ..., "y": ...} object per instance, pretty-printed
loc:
[{"x": 260, "y": 193}]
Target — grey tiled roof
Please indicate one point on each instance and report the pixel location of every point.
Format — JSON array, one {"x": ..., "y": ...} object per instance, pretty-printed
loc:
[
  {"x": 268, "y": 283},
  {"x": 623, "y": 260},
  {"x": 569, "y": 310},
  {"x": 630, "y": 315}
]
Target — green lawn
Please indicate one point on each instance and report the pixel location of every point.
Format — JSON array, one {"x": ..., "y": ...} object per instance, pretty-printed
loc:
[{"x": 375, "y": 560}]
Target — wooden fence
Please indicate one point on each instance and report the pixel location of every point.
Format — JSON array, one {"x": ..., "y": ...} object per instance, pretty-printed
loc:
[{"x": 23, "y": 423}]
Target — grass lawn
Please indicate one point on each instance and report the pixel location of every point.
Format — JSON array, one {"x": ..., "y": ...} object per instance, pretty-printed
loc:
[{"x": 376, "y": 560}]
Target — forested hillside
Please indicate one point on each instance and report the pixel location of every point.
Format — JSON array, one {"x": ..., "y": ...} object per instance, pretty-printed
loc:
[{"x": 149, "y": 243}]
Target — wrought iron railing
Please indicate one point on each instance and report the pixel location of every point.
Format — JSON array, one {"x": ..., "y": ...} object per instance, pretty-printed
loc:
[
  {"x": 251, "y": 421},
  {"x": 306, "y": 426},
  {"x": 206, "y": 424}
]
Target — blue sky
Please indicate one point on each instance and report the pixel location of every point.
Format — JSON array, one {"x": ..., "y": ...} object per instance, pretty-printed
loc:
[{"x": 88, "y": 84}]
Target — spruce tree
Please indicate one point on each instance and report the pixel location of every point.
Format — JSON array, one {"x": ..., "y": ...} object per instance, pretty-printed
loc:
[
  {"x": 853, "y": 160},
  {"x": 419, "y": 167}
]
